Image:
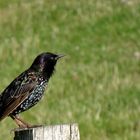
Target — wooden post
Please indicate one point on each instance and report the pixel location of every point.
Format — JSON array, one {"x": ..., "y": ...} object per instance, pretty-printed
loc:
[{"x": 53, "y": 132}]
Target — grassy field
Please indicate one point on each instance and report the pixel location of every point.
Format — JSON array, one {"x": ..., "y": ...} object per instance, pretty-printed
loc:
[{"x": 97, "y": 84}]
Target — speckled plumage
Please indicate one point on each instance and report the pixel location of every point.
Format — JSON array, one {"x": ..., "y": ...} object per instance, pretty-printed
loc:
[
  {"x": 28, "y": 88},
  {"x": 34, "y": 97}
]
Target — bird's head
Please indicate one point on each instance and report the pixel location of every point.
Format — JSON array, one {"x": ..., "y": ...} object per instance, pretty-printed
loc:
[{"x": 45, "y": 63}]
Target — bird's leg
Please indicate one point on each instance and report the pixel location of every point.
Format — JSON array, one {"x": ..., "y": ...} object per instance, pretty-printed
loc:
[
  {"x": 20, "y": 122},
  {"x": 23, "y": 122}
]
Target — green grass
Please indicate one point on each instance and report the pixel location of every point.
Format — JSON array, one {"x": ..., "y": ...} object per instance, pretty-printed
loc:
[{"x": 97, "y": 84}]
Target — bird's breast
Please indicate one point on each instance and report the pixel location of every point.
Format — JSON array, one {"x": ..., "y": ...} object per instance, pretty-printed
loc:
[{"x": 38, "y": 92}]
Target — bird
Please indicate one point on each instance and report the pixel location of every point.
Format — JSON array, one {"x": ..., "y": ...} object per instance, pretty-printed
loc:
[{"x": 27, "y": 89}]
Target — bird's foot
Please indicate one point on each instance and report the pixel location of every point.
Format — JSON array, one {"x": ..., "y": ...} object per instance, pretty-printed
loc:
[
  {"x": 22, "y": 127},
  {"x": 39, "y": 125}
]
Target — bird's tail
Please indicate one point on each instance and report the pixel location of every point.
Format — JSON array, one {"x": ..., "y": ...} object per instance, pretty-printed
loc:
[{"x": 0, "y": 106}]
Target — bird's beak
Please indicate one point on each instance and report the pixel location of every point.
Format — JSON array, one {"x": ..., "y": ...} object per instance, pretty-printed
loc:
[{"x": 59, "y": 56}]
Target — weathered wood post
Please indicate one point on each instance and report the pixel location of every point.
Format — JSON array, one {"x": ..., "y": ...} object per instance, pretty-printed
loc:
[{"x": 52, "y": 132}]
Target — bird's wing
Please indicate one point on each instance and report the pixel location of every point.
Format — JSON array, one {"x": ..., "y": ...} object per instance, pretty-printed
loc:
[{"x": 16, "y": 93}]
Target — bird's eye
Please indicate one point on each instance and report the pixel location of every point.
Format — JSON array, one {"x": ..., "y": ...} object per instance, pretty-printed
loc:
[{"x": 51, "y": 58}]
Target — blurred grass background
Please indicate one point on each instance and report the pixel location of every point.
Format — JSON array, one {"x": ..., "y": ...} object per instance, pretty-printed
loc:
[{"x": 97, "y": 84}]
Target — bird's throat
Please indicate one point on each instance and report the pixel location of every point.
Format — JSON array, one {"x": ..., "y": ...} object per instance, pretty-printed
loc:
[{"x": 48, "y": 72}]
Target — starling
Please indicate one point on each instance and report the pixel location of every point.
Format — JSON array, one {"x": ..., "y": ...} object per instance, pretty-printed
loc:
[{"x": 28, "y": 88}]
